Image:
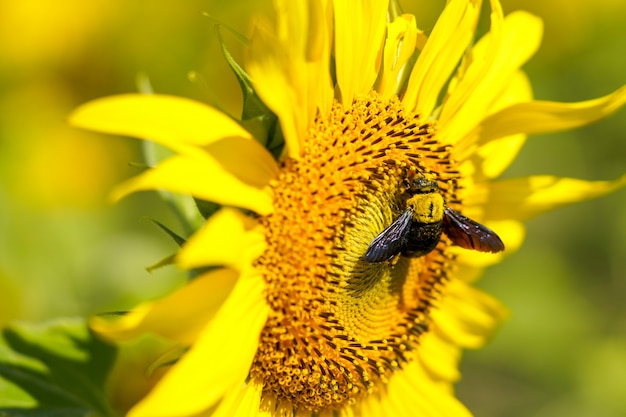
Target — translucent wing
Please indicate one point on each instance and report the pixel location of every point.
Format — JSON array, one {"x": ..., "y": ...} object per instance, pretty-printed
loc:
[
  {"x": 390, "y": 241},
  {"x": 469, "y": 234}
]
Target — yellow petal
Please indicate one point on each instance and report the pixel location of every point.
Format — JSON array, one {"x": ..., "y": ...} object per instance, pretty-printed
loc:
[
  {"x": 228, "y": 238},
  {"x": 179, "y": 317},
  {"x": 400, "y": 44},
  {"x": 511, "y": 232},
  {"x": 290, "y": 67},
  {"x": 345, "y": 412},
  {"x": 496, "y": 156},
  {"x": 124, "y": 327},
  {"x": 201, "y": 176},
  {"x": 246, "y": 159},
  {"x": 472, "y": 264},
  {"x": 242, "y": 401},
  {"x": 522, "y": 198},
  {"x": 517, "y": 89},
  {"x": 218, "y": 361},
  {"x": 319, "y": 83},
  {"x": 494, "y": 62},
  {"x": 372, "y": 406},
  {"x": 548, "y": 116},
  {"x": 359, "y": 36},
  {"x": 268, "y": 67},
  {"x": 439, "y": 357},
  {"x": 427, "y": 398},
  {"x": 489, "y": 160},
  {"x": 446, "y": 45},
  {"x": 171, "y": 121},
  {"x": 466, "y": 316}
]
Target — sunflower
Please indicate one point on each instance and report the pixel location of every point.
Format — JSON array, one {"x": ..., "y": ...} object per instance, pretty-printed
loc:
[{"x": 288, "y": 318}]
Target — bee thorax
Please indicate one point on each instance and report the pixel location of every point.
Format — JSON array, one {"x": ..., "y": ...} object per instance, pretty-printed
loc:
[{"x": 427, "y": 208}]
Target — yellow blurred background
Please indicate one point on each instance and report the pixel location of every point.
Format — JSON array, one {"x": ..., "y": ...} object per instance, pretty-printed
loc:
[{"x": 65, "y": 250}]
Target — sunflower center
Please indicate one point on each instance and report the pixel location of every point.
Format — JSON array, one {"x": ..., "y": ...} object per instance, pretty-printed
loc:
[{"x": 340, "y": 326}]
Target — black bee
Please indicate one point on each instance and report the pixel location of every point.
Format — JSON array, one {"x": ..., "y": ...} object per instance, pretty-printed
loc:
[{"x": 418, "y": 229}]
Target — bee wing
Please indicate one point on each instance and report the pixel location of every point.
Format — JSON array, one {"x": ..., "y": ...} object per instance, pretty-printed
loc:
[
  {"x": 390, "y": 241},
  {"x": 469, "y": 234}
]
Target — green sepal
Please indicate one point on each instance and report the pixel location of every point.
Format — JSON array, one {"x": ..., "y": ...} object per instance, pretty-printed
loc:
[
  {"x": 256, "y": 117},
  {"x": 394, "y": 10},
  {"x": 168, "y": 260},
  {"x": 274, "y": 140},
  {"x": 206, "y": 208},
  {"x": 57, "y": 368},
  {"x": 180, "y": 241},
  {"x": 252, "y": 104}
]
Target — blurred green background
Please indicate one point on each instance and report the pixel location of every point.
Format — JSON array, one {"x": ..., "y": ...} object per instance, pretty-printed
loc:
[{"x": 65, "y": 250}]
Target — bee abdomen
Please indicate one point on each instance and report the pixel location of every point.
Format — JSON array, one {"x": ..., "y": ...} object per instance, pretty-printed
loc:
[{"x": 421, "y": 239}]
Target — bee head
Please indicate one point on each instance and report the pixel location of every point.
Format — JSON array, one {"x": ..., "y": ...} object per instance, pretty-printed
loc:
[{"x": 421, "y": 185}]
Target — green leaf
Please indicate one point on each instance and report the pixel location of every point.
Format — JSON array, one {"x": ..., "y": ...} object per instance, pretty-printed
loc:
[{"x": 56, "y": 368}]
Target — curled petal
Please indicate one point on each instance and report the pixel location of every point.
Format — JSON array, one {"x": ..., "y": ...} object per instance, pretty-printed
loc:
[{"x": 400, "y": 44}]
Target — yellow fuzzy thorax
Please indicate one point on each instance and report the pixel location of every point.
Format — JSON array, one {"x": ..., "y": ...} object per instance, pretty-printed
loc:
[{"x": 427, "y": 208}]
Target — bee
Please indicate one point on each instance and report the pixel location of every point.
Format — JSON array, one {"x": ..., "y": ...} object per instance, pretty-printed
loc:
[{"x": 418, "y": 229}]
